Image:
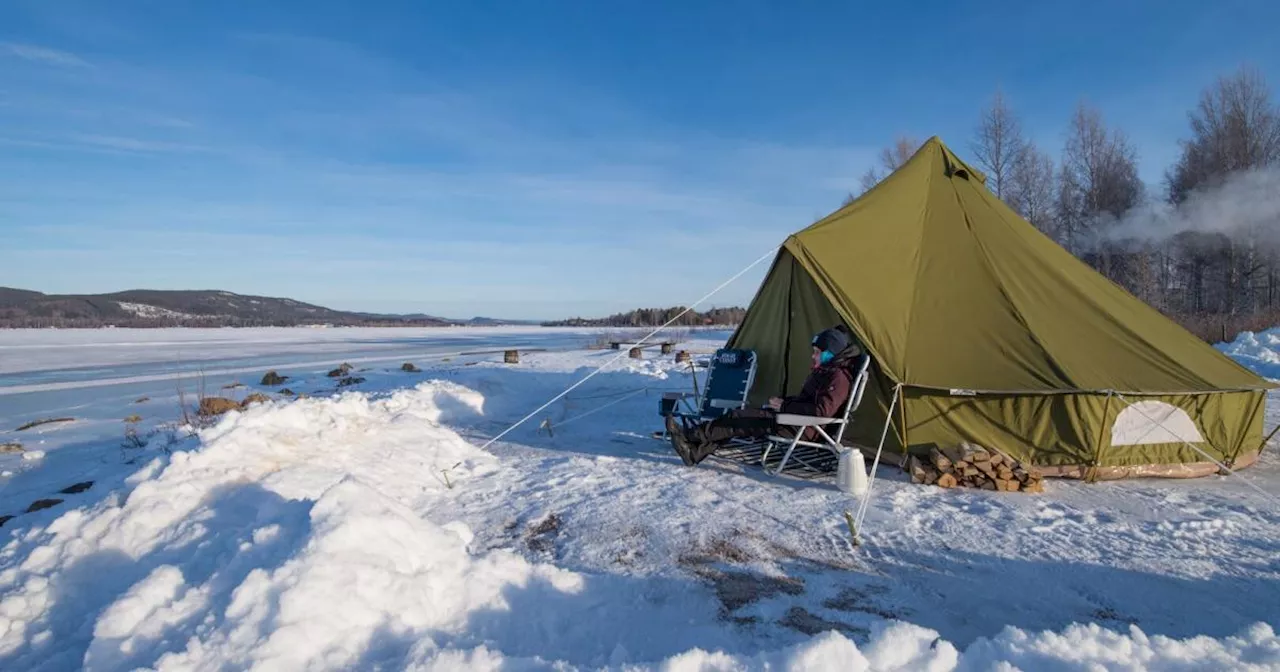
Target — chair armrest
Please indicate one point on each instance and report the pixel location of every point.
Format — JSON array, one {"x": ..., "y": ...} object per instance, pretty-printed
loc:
[
  {"x": 727, "y": 404},
  {"x": 793, "y": 420}
]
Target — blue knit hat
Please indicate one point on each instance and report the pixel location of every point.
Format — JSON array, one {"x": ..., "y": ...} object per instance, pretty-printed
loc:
[{"x": 831, "y": 342}]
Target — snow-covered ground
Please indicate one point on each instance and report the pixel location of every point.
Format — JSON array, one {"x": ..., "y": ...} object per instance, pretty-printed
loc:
[
  {"x": 1258, "y": 351},
  {"x": 366, "y": 529}
]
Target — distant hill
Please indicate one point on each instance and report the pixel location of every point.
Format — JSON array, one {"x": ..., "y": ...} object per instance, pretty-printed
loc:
[
  {"x": 495, "y": 322},
  {"x": 470, "y": 322},
  {"x": 180, "y": 308},
  {"x": 654, "y": 317},
  {"x": 141, "y": 308}
]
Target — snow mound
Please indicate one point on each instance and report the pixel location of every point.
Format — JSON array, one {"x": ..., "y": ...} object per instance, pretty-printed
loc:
[
  {"x": 1258, "y": 352},
  {"x": 371, "y": 574},
  {"x": 322, "y": 489},
  {"x": 1092, "y": 647},
  {"x": 323, "y": 534}
]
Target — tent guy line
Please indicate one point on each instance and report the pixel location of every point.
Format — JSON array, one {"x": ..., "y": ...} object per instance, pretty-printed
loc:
[
  {"x": 1230, "y": 472},
  {"x": 623, "y": 353},
  {"x": 871, "y": 480}
]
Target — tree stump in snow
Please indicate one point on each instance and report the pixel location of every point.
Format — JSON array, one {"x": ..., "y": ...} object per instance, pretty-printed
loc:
[
  {"x": 511, "y": 357},
  {"x": 636, "y": 353},
  {"x": 667, "y": 347}
]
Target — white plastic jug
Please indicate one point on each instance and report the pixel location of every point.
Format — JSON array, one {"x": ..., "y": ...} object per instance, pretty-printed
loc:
[{"x": 851, "y": 473}]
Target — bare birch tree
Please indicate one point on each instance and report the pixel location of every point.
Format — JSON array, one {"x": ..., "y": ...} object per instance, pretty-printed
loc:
[
  {"x": 1099, "y": 179},
  {"x": 997, "y": 144},
  {"x": 1235, "y": 127},
  {"x": 1031, "y": 189}
]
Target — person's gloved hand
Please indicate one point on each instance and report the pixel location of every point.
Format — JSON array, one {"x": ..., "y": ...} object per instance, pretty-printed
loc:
[{"x": 775, "y": 403}]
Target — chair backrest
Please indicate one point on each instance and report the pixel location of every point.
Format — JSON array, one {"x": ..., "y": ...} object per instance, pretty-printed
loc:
[
  {"x": 728, "y": 382},
  {"x": 860, "y": 368}
]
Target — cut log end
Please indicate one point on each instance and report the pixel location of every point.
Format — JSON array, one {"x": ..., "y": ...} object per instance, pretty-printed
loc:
[{"x": 968, "y": 465}]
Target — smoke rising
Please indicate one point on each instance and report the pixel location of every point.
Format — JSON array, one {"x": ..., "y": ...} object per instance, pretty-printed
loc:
[{"x": 1247, "y": 204}]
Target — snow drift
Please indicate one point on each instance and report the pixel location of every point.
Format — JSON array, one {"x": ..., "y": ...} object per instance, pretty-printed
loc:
[
  {"x": 321, "y": 534},
  {"x": 1259, "y": 352}
]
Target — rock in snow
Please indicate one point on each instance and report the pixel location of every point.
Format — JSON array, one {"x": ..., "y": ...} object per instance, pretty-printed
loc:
[
  {"x": 211, "y": 406},
  {"x": 271, "y": 378}
]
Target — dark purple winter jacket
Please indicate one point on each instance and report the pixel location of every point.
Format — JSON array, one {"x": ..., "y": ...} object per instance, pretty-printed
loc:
[{"x": 826, "y": 389}]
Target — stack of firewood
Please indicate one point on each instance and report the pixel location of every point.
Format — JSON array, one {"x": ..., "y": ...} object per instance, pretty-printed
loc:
[{"x": 971, "y": 466}]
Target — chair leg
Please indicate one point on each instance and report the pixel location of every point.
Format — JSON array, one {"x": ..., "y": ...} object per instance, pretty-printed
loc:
[{"x": 786, "y": 456}]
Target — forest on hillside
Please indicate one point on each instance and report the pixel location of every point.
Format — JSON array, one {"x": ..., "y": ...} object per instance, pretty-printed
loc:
[
  {"x": 653, "y": 317},
  {"x": 1203, "y": 247}
]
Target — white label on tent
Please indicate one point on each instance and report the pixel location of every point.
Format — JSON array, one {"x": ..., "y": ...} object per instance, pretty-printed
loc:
[
  {"x": 963, "y": 393},
  {"x": 1147, "y": 422}
]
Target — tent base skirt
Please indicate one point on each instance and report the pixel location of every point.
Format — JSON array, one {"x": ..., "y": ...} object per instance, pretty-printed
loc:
[{"x": 1181, "y": 470}]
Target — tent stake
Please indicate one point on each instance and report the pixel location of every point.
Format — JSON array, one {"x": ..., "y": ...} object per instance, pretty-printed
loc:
[
  {"x": 853, "y": 529},
  {"x": 902, "y": 415}
]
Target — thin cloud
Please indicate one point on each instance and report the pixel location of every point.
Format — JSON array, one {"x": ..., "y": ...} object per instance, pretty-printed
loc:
[
  {"x": 108, "y": 144},
  {"x": 31, "y": 52},
  {"x": 127, "y": 144}
]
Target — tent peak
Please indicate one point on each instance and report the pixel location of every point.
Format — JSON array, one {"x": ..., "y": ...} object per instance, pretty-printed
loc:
[{"x": 952, "y": 164}]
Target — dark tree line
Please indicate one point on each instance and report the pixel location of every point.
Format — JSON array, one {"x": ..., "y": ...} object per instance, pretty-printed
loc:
[
  {"x": 653, "y": 317},
  {"x": 1203, "y": 247}
]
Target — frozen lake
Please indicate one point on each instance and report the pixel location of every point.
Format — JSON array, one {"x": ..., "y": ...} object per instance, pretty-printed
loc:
[
  {"x": 35, "y": 355},
  {"x": 100, "y": 377},
  {"x": 59, "y": 371}
]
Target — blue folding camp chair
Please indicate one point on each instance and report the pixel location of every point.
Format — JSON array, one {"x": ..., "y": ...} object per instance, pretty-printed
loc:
[{"x": 728, "y": 381}]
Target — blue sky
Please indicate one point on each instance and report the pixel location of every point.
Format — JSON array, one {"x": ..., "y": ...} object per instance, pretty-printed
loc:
[{"x": 527, "y": 159}]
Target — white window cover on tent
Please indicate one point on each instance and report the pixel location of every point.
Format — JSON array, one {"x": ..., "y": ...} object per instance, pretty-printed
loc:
[{"x": 1147, "y": 422}]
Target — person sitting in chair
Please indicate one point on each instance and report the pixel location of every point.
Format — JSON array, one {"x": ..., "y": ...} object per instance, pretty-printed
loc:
[{"x": 823, "y": 395}]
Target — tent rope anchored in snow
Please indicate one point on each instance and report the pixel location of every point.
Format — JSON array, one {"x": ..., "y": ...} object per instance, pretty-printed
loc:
[
  {"x": 624, "y": 353},
  {"x": 1138, "y": 408},
  {"x": 875, "y": 464},
  {"x": 550, "y": 426}
]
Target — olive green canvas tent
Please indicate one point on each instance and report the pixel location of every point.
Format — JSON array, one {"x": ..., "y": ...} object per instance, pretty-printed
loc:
[{"x": 985, "y": 330}]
